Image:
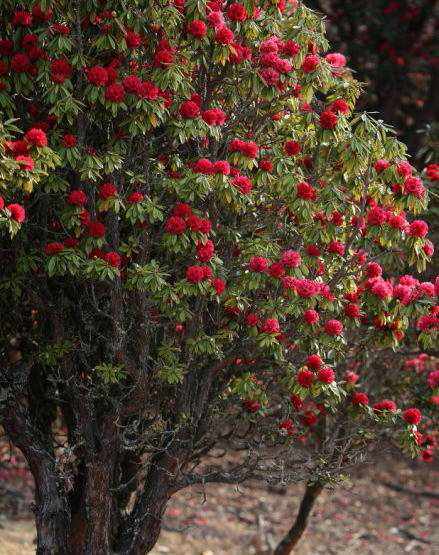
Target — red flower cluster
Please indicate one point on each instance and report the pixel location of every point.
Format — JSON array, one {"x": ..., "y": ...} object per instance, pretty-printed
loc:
[{"x": 247, "y": 148}]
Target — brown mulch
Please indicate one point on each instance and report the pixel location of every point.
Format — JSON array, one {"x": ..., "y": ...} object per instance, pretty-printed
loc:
[{"x": 361, "y": 517}]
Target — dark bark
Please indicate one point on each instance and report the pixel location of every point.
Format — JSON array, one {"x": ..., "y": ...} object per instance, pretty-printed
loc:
[
  {"x": 293, "y": 536},
  {"x": 52, "y": 514},
  {"x": 144, "y": 524}
]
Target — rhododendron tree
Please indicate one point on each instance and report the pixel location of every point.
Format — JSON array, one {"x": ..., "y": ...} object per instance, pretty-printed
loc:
[{"x": 198, "y": 234}]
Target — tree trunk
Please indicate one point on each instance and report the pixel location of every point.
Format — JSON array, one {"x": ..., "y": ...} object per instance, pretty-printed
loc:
[
  {"x": 143, "y": 526},
  {"x": 291, "y": 539},
  {"x": 52, "y": 514}
]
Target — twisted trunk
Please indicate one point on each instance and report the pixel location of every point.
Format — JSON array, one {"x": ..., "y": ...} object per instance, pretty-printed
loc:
[
  {"x": 286, "y": 546},
  {"x": 52, "y": 514}
]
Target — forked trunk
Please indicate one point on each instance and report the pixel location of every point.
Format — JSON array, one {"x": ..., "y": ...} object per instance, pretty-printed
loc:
[{"x": 87, "y": 522}]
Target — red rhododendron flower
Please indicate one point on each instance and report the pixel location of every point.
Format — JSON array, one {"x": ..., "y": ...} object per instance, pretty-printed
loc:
[
  {"x": 310, "y": 63},
  {"x": 305, "y": 378},
  {"x": 221, "y": 167},
  {"x": 296, "y": 401},
  {"x": 196, "y": 274},
  {"x": 373, "y": 270},
  {"x": 309, "y": 419},
  {"x": 205, "y": 251},
  {"x": 216, "y": 18},
  {"x": 352, "y": 310},
  {"x": 53, "y": 248},
  {"x": 71, "y": 242},
  {"x": 326, "y": 375},
  {"x": 433, "y": 379},
  {"x": 237, "y": 12},
  {"x": 418, "y": 228},
  {"x": 164, "y": 57},
  {"x": 26, "y": 162},
  {"x": 292, "y": 148},
  {"x": 189, "y": 109},
  {"x": 219, "y": 285},
  {"x": 381, "y": 165},
  {"x": 17, "y": 147},
  {"x": 248, "y": 148},
  {"x": 202, "y": 225},
  {"x": 359, "y": 398},
  {"x": 214, "y": 116},
  {"x": 311, "y": 317},
  {"x": 291, "y": 259},
  {"x": 182, "y": 209},
  {"x": 427, "y": 322},
  {"x": 60, "y": 71},
  {"x": 428, "y": 248},
  {"x": 77, "y": 198},
  {"x": 336, "y": 247},
  {"x": 333, "y": 327},
  {"x": 135, "y": 197},
  {"x": 175, "y": 225},
  {"x": 404, "y": 169},
  {"x": 287, "y": 426},
  {"x": 427, "y": 455},
  {"x": 22, "y": 18},
  {"x": 96, "y": 229},
  {"x": 258, "y": 264},
  {"x": 265, "y": 165},
  {"x": 306, "y": 191},
  {"x": 339, "y": 106},
  {"x": 276, "y": 270},
  {"x": 382, "y": 289},
  {"x": 148, "y": 90},
  {"x": 68, "y": 140},
  {"x": 385, "y": 404},
  {"x": 203, "y": 166},
  {"x": 314, "y": 361},
  {"x": 132, "y": 84},
  {"x": 313, "y": 250},
  {"x": 17, "y": 212},
  {"x": 251, "y": 406},
  {"x": 397, "y": 221},
  {"x": 377, "y": 216},
  {"x": 270, "y": 325},
  {"x": 132, "y": 39},
  {"x": 20, "y": 63},
  {"x": 224, "y": 35},
  {"x": 107, "y": 190},
  {"x": 97, "y": 75},
  {"x": 113, "y": 259},
  {"x": 243, "y": 184},
  {"x": 251, "y": 320},
  {"x": 412, "y": 416},
  {"x": 197, "y": 28},
  {"x": 336, "y": 59},
  {"x": 328, "y": 119},
  {"x": 351, "y": 377},
  {"x": 413, "y": 186},
  {"x": 432, "y": 172},
  {"x": 290, "y": 48},
  {"x": 36, "y": 137},
  {"x": 115, "y": 93},
  {"x": 60, "y": 29}
]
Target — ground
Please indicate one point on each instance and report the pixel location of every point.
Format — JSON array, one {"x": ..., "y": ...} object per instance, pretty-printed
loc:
[{"x": 363, "y": 517}]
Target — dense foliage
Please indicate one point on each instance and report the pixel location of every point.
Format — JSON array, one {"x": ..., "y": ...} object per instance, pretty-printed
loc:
[{"x": 199, "y": 234}]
